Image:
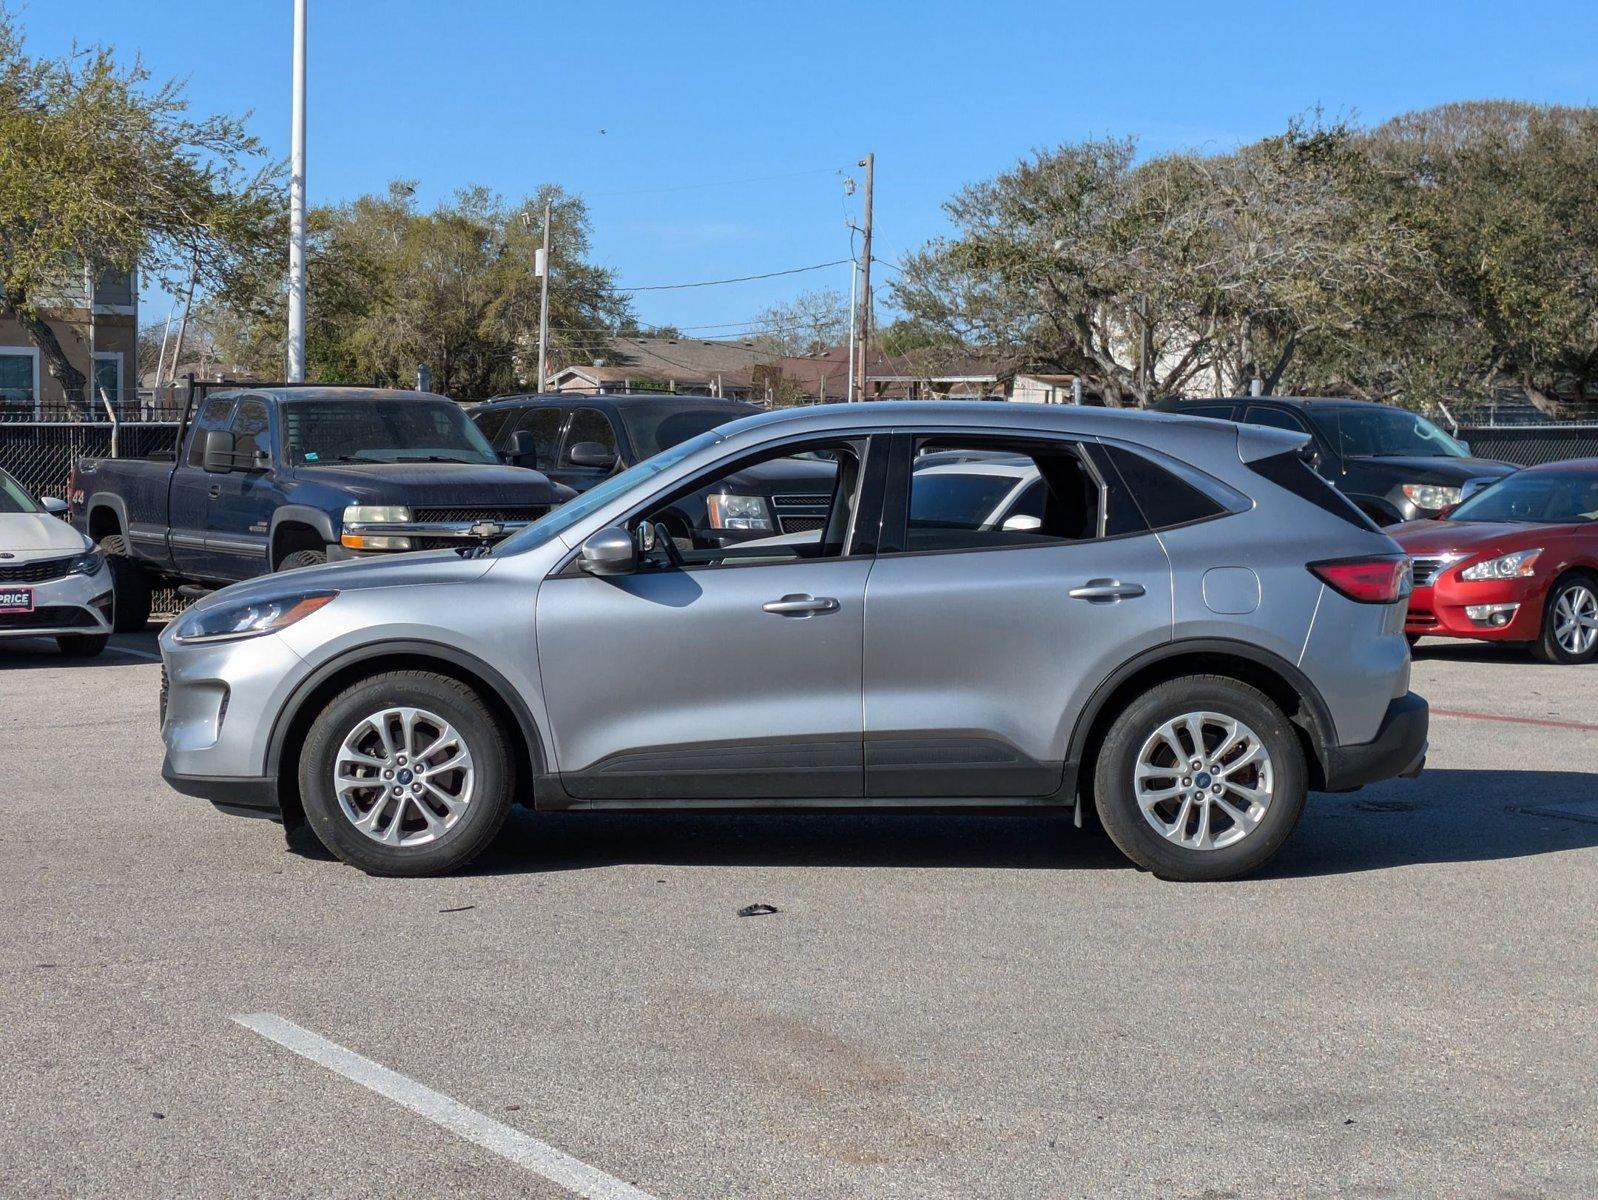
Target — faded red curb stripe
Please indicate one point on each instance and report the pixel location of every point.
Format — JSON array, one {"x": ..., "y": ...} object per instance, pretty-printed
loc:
[{"x": 1546, "y": 724}]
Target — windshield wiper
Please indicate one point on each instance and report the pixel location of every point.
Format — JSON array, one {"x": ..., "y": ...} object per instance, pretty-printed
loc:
[{"x": 439, "y": 458}]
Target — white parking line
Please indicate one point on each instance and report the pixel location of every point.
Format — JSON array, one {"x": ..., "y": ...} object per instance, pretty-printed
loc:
[{"x": 559, "y": 1168}]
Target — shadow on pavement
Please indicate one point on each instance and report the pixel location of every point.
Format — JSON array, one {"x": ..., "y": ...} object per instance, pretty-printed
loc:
[
  {"x": 1513, "y": 655},
  {"x": 43, "y": 653},
  {"x": 1444, "y": 816}
]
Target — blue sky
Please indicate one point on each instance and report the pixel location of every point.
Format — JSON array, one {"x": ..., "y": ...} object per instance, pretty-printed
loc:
[{"x": 640, "y": 106}]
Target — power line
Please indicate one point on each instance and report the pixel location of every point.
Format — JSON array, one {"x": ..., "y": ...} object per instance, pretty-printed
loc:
[
  {"x": 672, "y": 287},
  {"x": 690, "y": 187}
]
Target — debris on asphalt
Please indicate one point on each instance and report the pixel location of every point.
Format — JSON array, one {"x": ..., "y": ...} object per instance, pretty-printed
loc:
[
  {"x": 462, "y": 908},
  {"x": 757, "y": 910}
]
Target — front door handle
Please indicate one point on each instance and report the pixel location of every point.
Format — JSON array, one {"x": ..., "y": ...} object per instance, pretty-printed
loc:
[
  {"x": 1106, "y": 591},
  {"x": 801, "y": 605},
  {"x": 216, "y": 491}
]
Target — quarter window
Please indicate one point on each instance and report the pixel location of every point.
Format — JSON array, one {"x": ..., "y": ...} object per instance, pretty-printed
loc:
[{"x": 1161, "y": 497}]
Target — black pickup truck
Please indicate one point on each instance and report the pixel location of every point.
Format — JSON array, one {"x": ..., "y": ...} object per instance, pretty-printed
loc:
[
  {"x": 579, "y": 440},
  {"x": 269, "y": 478}
]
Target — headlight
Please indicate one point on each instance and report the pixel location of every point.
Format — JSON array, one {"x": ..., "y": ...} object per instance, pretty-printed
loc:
[
  {"x": 87, "y": 564},
  {"x": 375, "y": 514},
  {"x": 228, "y": 622},
  {"x": 1506, "y": 566},
  {"x": 1430, "y": 496},
  {"x": 739, "y": 512}
]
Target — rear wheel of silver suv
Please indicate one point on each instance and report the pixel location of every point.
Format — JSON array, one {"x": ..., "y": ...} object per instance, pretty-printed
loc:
[
  {"x": 406, "y": 773},
  {"x": 1200, "y": 778}
]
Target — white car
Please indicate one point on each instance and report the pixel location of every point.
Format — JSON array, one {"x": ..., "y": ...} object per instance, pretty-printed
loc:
[{"x": 53, "y": 581}]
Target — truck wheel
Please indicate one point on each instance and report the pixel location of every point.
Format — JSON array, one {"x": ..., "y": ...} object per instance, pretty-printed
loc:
[
  {"x": 1200, "y": 778},
  {"x": 130, "y": 587},
  {"x": 302, "y": 558},
  {"x": 1570, "y": 621},
  {"x": 406, "y": 773}
]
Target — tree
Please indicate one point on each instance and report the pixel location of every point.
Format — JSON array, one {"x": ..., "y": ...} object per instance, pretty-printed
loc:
[
  {"x": 392, "y": 287},
  {"x": 100, "y": 166},
  {"x": 808, "y": 324}
]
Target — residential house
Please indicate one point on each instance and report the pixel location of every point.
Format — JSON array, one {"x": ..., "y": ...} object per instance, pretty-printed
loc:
[{"x": 99, "y": 338}]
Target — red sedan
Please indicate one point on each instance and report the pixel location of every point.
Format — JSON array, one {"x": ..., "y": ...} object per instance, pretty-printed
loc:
[{"x": 1516, "y": 562}]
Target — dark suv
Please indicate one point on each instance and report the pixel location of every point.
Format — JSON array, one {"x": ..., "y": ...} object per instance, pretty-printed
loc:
[
  {"x": 1394, "y": 464},
  {"x": 581, "y": 440}
]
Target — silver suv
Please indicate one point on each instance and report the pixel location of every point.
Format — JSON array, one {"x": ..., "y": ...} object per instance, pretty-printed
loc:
[{"x": 1194, "y": 632}]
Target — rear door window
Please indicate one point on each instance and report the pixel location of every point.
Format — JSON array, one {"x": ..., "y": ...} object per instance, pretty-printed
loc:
[
  {"x": 1276, "y": 418},
  {"x": 252, "y": 435},
  {"x": 215, "y": 414},
  {"x": 544, "y": 424},
  {"x": 588, "y": 425}
]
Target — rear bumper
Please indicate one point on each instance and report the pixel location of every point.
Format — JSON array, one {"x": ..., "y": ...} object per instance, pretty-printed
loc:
[{"x": 1397, "y": 751}]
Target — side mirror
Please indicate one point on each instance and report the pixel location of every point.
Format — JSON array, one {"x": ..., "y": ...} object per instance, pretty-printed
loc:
[
  {"x": 218, "y": 456},
  {"x": 609, "y": 551},
  {"x": 53, "y": 505},
  {"x": 523, "y": 449},
  {"x": 1463, "y": 445},
  {"x": 591, "y": 454},
  {"x": 1022, "y": 523}
]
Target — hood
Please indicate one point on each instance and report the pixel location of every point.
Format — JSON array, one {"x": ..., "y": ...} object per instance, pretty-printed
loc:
[
  {"x": 356, "y": 574},
  {"x": 1422, "y": 469},
  {"x": 1438, "y": 537},
  {"x": 446, "y": 485},
  {"x": 803, "y": 476},
  {"x": 37, "y": 535}
]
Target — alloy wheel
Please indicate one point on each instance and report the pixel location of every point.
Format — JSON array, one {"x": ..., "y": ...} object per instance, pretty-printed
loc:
[
  {"x": 1203, "y": 780},
  {"x": 1576, "y": 620},
  {"x": 403, "y": 776}
]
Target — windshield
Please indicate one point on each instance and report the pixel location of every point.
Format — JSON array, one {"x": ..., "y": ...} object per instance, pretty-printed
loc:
[
  {"x": 655, "y": 429},
  {"x": 14, "y": 497},
  {"x": 558, "y": 520},
  {"x": 1377, "y": 432},
  {"x": 381, "y": 431},
  {"x": 1553, "y": 497}
]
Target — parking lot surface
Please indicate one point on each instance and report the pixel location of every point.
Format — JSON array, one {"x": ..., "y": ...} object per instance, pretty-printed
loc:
[{"x": 1403, "y": 1004}]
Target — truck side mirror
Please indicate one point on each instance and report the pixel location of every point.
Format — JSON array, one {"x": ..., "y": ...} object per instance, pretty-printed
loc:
[
  {"x": 218, "y": 456},
  {"x": 591, "y": 454},
  {"x": 523, "y": 449},
  {"x": 609, "y": 551}
]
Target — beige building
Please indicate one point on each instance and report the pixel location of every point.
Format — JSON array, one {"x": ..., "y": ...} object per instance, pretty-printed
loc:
[{"x": 100, "y": 340}]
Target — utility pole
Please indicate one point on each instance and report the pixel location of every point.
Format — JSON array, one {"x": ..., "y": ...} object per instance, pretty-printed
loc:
[
  {"x": 863, "y": 338},
  {"x": 296, "y": 354},
  {"x": 542, "y": 271},
  {"x": 854, "y": 328}
]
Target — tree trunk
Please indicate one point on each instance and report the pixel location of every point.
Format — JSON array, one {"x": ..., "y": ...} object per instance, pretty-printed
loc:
[
  {"x": 1275, "y": 377},
  {"x": 71, "y": 379}
]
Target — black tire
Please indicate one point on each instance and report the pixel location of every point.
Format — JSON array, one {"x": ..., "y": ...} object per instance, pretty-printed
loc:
[
  {"x": 1137, "y": 722},
  {"x": 130, "y": 587},
  {"x": 77, "y": 645},
  {"x": 302, "y": 558},
  {"x": 1547, "y": 646},
  {"x": 488, "y": 804}
]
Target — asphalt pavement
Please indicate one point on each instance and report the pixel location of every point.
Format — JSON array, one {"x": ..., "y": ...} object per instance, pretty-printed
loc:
[{"x": 1403, "y": 1004}]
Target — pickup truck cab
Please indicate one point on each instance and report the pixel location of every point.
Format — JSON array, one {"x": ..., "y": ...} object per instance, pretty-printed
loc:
[
  {"x": 264, "y": 479},
  {"x": 580, "y": 441}
]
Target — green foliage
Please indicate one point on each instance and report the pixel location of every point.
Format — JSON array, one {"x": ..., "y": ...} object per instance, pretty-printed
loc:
[{"x": 391, "y": 287}]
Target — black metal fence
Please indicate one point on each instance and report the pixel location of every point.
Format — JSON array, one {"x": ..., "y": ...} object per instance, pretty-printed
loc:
[
  {"x": 1531, "y": 445},
  {"x": 40, "y": 454}
]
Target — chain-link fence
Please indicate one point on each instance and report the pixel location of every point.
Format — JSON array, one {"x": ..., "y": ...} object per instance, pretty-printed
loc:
[{"x": 1531, "y": 445}]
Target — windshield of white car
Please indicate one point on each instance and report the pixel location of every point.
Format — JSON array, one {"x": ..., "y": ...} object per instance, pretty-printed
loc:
[
  {"x": 558, "y": 520},
  {"x": 1556, "y": 498},
  {"x": 14, "y": 497},
  {"x": 381, "y": 431},
  {"x": 1378, "y": 432}
]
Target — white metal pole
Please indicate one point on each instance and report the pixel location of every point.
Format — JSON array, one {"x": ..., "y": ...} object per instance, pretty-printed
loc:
[
  {"x": 296, "y": 354},
  {"x": 543, "y": 306},
  {"x": 854, "y": 324}
]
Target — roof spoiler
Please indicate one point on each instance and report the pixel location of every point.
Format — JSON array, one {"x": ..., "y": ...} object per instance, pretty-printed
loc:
[{"x": 1255, "y": 442}]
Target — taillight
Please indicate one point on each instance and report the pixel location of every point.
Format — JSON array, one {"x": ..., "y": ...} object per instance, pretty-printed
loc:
[{"x": 1366, "y": 580}]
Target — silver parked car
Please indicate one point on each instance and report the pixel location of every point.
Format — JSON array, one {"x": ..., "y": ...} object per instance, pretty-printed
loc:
[{"x": 1194, "y": 632}]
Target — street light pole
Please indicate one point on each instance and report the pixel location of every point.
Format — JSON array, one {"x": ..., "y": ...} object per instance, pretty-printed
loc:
[
  {"x": 543, "y": 306},
  {"x": 296, "y": 350}
]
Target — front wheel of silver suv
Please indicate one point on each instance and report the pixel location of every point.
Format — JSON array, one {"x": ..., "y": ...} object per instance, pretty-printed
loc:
[
  {"x": 406, "y": 773},
  {"x": 1200, "y": 778}
]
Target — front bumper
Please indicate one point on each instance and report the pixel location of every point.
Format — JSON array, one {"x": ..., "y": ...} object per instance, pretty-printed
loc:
[
  {"x": 238, "y": 795},
  {"x": 1397, "y": 751},
  {"x": 72, "y": 605},
  {"x": 1439, "y": 610}
]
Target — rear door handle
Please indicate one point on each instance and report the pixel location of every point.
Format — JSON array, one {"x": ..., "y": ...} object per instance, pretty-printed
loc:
[
  {"x": 801, "y": 605},
  {"x": 1106, "y": 591}
]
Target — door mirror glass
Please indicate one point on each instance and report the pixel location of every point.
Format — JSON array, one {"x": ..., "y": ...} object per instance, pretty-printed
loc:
[
  {"x": 53, "y": 505},
  {"x": 609, "y": 551},
  {"x": 218, "y": 458},
  {"x": 590, "y": 454},
  {"x": 523, "y": 449}
]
